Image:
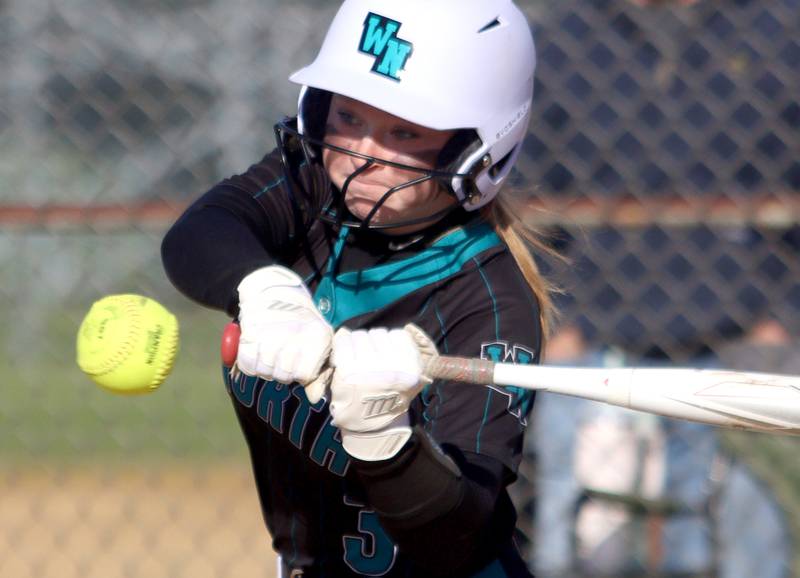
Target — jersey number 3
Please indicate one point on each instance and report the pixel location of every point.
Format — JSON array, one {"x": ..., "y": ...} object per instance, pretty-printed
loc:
[{"x": 371, "y": 553}]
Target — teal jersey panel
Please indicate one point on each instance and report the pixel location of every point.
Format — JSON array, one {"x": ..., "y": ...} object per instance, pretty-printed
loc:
[{"x": 358, "y": 292}]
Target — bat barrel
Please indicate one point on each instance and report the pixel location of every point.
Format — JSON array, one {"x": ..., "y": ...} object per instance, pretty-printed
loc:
[{"x": 752, "y": 401}]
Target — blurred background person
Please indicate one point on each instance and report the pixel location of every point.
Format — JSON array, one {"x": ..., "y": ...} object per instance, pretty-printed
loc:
[
  {"x": 622, "y": 493},
  {"x": 660, "y": 119}
]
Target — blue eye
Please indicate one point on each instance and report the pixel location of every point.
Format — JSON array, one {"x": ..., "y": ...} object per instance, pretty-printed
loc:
[
  {"x": 403, "y": 134},
  {"x": 347, "y": 118}
]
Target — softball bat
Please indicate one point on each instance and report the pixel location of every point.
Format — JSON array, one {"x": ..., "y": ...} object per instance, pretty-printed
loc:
[{"x": 743, "y": 400}]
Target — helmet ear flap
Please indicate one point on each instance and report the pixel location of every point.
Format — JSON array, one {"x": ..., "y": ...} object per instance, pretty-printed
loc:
[
  {"x": 457, "y": 150},
  {"x": 314, "y": 112}
]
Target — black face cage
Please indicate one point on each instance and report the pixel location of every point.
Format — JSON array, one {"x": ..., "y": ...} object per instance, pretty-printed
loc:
[{"x": 294, "y": 145}]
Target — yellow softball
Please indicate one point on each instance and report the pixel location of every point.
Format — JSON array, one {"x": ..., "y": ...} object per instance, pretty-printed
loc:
[{"x": 127, "y": 343}]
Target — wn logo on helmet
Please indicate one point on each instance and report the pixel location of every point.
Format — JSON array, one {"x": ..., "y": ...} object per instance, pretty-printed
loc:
[{"x": 380, "y": 40}]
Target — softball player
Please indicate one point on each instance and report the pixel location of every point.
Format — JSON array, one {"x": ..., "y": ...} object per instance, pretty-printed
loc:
[{"x": 372, "y": 237}]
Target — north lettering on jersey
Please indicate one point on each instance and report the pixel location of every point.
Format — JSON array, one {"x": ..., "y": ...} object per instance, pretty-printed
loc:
[
  {"x": 277, "y": 404},
  {"x": 380, "y": 40}
]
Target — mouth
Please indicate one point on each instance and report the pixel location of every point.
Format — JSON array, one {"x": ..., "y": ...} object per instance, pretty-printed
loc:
[
  {"x": 367, "y": 191},
  {"x": 362, "y": 206},
  {"x": 372, "y": 184}
]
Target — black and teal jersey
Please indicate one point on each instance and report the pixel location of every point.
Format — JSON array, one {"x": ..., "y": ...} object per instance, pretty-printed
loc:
[{"x": 330, "y": 515}]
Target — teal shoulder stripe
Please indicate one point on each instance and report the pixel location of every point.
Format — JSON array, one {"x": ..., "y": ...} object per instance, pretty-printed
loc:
[
  {"x": 492, "y": 297},
  {"x": 269, "y": 187},
  {"x": 426, "y": 391},
  {"x": 497, "y": 336},
  {"x": 359, "y": 292}
]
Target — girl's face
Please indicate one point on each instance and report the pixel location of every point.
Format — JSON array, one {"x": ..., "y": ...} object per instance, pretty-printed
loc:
[{"x": 361, "y": 128}]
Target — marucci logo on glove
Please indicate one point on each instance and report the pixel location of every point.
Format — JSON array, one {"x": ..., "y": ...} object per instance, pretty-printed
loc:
[
  {"x": 380, "y": 40},
  {"x": 377, "y": 406}
]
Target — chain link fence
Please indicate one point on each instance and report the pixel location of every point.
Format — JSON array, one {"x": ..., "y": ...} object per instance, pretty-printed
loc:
[{"x": 662, "y": 161}]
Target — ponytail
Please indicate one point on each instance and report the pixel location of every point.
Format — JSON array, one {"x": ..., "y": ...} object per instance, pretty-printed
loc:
[{"x": 521, "y": 239}]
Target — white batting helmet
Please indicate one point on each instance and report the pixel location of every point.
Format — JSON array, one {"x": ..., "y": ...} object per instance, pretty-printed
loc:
[{"x": 443, "y": 64}]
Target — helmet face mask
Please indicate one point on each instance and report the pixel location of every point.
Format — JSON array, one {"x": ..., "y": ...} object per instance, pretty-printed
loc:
[
  {"x": 290, "y": 139},
  {"x": 463, "y": 65}
]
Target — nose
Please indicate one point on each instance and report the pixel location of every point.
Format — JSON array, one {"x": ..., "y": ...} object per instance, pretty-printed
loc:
[{"x": 371, "y": 145}]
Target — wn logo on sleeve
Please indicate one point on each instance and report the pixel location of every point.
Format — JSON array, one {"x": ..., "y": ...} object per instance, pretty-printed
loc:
[
  {"x": 520, "y": 401},
  {"x": 380, "y": 40}
]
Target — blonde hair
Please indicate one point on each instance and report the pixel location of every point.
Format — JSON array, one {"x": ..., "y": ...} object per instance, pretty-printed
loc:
[{"x": 521, "y": 240}]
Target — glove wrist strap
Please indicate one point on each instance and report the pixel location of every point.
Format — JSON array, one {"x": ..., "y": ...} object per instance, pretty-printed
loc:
[{"x": 376, "y": 445}]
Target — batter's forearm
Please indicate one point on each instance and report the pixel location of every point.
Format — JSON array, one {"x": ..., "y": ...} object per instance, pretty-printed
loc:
[
  {"x": 433, "y": 509},
  {"x": 207, "y": 252}
]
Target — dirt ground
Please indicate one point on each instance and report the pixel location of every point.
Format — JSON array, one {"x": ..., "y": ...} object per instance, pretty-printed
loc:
[{"x": 132, "y": 521}]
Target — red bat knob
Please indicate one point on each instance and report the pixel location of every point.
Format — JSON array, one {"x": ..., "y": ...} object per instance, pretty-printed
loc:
[{"x": 230, "y": 343}]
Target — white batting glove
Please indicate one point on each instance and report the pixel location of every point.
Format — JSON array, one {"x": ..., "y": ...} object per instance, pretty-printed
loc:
[
  {"x": 377, "y": 375},
  {"x": 284, "y": 337}
]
